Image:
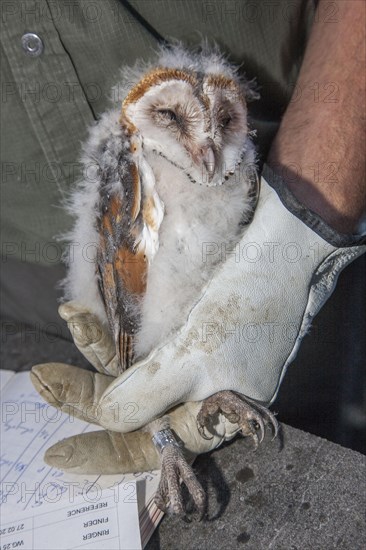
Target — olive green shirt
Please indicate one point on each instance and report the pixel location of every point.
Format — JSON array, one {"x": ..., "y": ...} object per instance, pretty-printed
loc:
[{"x": 49, "y": 99}]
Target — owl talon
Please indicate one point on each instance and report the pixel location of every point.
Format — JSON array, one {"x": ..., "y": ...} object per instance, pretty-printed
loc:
[
  {"x": 202, "y": 428},
  {"x": 256, "y": 441},
  {"x": 268, "y": 415},
  {"x": 252, "y": 417},
  {"x": 174, "y": 468}
]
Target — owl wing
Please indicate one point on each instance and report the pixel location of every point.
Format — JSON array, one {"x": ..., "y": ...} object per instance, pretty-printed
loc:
[{"x": 130, "y": 214}]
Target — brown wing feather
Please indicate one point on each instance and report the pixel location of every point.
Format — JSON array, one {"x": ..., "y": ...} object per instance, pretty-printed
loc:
[{"x": 121, "y": 268}]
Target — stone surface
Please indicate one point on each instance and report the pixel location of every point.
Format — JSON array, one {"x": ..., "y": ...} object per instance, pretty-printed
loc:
[
  {"x": 303, "y": 493},
  {"x": 24, "y": 346}
]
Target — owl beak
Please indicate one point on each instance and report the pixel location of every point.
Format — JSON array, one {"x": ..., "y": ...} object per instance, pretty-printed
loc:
[{"x": 208, "y": 159}]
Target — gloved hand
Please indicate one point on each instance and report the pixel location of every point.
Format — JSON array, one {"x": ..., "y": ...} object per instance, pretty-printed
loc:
[
  {"x": 77, "y": 392},
  {"x": 248, "y": 324},
  {"x": 243, "y": 332}
]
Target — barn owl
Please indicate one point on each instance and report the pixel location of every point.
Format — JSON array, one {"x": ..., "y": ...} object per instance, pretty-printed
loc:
[{"x": 168, "y": 174}]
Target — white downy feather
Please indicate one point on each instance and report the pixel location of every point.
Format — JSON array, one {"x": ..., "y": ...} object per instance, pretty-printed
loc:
[{"x": 198, "y": 219}]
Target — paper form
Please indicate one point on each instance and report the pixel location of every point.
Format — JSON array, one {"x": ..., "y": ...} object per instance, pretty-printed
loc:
[
  {"x": 28, "y": 427},
  {"x": 102, "y": 522},
  {"x": 5, "y": 376}
]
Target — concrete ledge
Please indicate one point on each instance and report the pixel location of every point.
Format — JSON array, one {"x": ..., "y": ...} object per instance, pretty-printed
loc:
[{"x": 309, "y": 494}]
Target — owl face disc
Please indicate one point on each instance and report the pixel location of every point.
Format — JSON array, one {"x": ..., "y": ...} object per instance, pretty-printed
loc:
[{"x": 197, "y": 122}]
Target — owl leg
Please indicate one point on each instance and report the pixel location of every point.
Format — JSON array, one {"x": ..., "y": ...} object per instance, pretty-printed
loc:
[
  {"x": 252, "y": 417},
  {"x": 174, "y": 470}
]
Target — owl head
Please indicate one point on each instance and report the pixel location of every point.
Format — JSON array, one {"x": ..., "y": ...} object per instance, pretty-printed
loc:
[{"x": 191, "y": 109}]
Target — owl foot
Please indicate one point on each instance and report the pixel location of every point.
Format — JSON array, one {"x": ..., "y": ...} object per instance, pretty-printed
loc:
[
  {"x": 252, "y": 417},
  {"x": 174, "y": 469}
]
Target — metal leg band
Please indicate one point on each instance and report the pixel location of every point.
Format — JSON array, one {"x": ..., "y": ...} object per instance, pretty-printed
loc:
[{"x": 163, "y": 438}]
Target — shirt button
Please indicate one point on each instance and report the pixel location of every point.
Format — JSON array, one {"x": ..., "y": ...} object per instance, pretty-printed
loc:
[{"x": 32, "y": 44}]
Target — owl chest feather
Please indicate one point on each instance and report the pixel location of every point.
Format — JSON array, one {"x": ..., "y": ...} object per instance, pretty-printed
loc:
[{"x": 200, "y": 225}]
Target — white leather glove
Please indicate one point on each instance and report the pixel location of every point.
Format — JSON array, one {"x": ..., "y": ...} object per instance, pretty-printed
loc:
[
  {"x": 177, "y": 438},
  {"x": 249, "y": 322},
  {"x": 77, "y": 392}
]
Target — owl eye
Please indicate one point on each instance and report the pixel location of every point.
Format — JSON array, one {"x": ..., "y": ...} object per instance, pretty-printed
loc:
[
  {"x": 225, "y": 121},
  {"x": 169, "y": 114}
]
